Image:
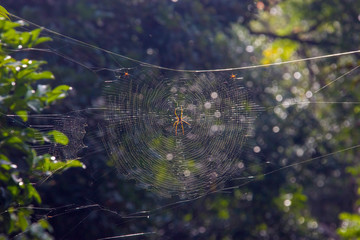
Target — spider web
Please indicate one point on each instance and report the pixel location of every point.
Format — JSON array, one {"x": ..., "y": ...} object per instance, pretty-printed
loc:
[
  {"x": 138, "y": 133},
  {"x": 141, "y": 138},
  {"x": 72, "y": 125}
]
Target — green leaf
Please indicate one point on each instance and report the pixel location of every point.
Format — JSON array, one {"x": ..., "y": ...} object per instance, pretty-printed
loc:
[
  {"x": 13, "y": 140},
  {"x": 61, "y": 88},
  {"x": 9, "y": 25},
  {"x": 23, "y": 222},
  {"x": 54, "y": 166},
  {"x": 24, "y": 72},
  {"x": 33, "y": 193},
  {"x": 25, "y": 38},
  {"x": 5, "y": 165},
  {"x": 4, "y": 13},
  {"x": 35, "y": 33},
  {"x": 41, "y": 75},
  {"x": 44, "y": 224},
  {"x": 23, "y": 115},
  {"x": 46, "y": 164},
  {"x": 20, "y": 91},
  {"x": 14, "y": 190},
  {"x": 59, "y": 137},
  {"x": 3, "y": 157},
  {"x": 57, "y": 93},
  {"x": 41, "y": 40}
]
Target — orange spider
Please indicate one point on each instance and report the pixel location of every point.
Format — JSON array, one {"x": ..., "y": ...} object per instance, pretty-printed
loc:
[
  {"x": 233, "y": 76},
  {"x": 179, "y": 120},
  {"x": 126, "y": 74}
]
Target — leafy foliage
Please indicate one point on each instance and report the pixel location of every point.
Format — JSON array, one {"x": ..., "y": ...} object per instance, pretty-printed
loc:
[
  {"x": 350, "y": 222},
  {"x": 4, "y": 13},
  {"x": 20, "y": 166}
]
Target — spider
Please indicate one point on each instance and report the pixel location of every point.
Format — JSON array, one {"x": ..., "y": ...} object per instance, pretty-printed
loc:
[{"x": 180, "y": 120}]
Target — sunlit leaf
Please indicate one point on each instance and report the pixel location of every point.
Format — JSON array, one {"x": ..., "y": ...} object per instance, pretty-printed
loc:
[
  {"x": 61, "y": 88},
  {"x": 13, "y": 140},
  {"x": 57, "y": 166},
  {"x": 41, "y": 75},
  {"x": 33, "y": 193},
  {"x": 41, "y": 40},
  {"x": 4, "y": 13},
  {"x": 59, "y": 137},
  {"x": 35, "y": 33},
  {"x": 23, "y": 115}
]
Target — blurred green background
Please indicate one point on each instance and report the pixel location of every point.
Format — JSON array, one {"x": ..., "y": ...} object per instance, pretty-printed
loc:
[{"x": 313, "y": 200}]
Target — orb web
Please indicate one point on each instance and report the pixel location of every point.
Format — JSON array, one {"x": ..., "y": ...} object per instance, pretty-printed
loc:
[
  {"x": 188, "y": 160},
  {"x": 71, "y": 126}
]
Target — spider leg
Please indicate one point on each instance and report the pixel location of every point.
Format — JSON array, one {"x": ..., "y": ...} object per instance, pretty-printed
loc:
[
  {"x": 176, "y": 128},
  {"x": 186, "y": 122},
  {"x": 175, "y": 113},
  {"x": 177, "y": 121},
  {"x": 182, "y": 126}
]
